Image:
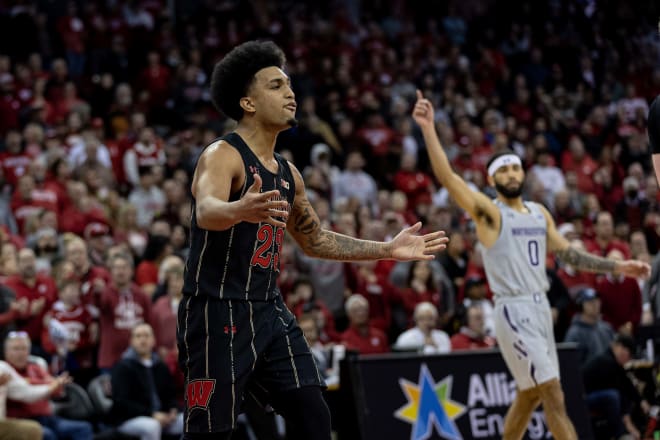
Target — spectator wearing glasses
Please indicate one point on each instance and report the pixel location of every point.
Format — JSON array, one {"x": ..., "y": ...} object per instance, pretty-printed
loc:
[
  {"x": 17, "y": 354},
  {"x": 38, "y": 289},
  {"x": 16, "y": 388}
]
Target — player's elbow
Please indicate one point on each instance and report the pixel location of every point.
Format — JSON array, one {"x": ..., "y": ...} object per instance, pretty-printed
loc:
[{"x": 202, "y": 215}]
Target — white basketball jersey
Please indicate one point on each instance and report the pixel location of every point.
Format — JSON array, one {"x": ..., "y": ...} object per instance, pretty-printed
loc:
[{"x": 515, "y": 264}]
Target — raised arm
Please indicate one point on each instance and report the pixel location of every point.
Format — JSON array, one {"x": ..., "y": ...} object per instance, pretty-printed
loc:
[
  {"x": 219, "y": 173},
  {"x": 480, "y": 208},
  {"x": 583, "y": 260},
  {"x": 305, "y": 227}
]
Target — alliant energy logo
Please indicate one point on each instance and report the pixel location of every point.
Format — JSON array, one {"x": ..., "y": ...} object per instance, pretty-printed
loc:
[
  {"x": 430, "y": 406},
  {"x": 433, "y": 408}
]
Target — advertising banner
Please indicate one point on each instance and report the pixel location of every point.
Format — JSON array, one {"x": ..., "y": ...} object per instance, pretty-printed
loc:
[{"x": 462, "y": 395}]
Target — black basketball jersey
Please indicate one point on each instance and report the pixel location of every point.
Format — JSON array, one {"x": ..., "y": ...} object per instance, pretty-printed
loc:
[{"x": 242, "y": 262}]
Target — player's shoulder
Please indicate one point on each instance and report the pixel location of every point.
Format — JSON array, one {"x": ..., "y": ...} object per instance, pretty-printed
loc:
[{"x": 221, "y": 152}]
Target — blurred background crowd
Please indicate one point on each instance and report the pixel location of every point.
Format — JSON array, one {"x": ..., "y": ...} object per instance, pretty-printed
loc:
[{"x": 104, "y": 109}]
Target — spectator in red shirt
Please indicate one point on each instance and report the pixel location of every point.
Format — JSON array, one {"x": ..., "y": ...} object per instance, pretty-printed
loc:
[
  {"x": 378, "y": 291},
  {"x": 123, "y": 306},
  {"x": 575, "y": 159},
  {"x": 147, "y": 152},
  {"x": 146, "y": 273},
  {"x": 28, "y": 201},
  {"x": 93, "y": 279},
  {"x": 621, "y": 299},
  {"x": 360, "y": 336},
  {"x": 473, "y": 334},
  {"x": 60, "y": 174},
  {"x": 72, "y": 31},
  {"x": 71, "y": 333},
  {"x": 17, "y": 354},
  {"x": 39, "y": 290},
  {"x": 412, "y": 182},
  {"x": 307, "y": 302},
  {"x": 155, "y": 79},
  {"x": 604, "y": 241},
  {"x": 82, "y": 211},
  {"x": 10, "y": 106},
  {"x": 420, "y": 287},
  {"x": 633, "y": 207},
  {"x": 575, "y": 280},
  {"x": 164, "y": 311},
  {"x": 15, "y": 162}
]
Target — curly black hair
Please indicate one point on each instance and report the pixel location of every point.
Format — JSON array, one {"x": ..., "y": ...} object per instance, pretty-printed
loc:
[{"x": 233, "y": 74}]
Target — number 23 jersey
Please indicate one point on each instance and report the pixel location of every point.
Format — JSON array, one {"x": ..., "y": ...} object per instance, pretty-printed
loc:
[
  {"x": 242, "y": 262},
  {"x": 515, "y": 264}
]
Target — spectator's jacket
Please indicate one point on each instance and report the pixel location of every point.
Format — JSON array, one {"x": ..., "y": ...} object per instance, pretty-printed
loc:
[
  {"x": 120, "y": 312},
  {"x": 132, "y": 389},
  {"x": 33, "y": 374},
  {"x": 374, "y": 342},
  {"x": 592, "y": 340},
  {"x": 466, "y": 339},
  {"x": 19, "y": 389}
]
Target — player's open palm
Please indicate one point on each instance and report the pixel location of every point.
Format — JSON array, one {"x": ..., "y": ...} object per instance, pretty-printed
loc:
[
  {"x": 263, "y": 207},
  {"x": 423, "y": 112},
  {"x": 407, "y": 245},
  {"x": 633, "y": 268}
]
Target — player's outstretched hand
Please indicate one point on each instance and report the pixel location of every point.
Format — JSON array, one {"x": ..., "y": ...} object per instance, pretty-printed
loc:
[
  {"x": 266, "y": 207},
  {"x": 407, "y": 245},
  {"x": 423, "y": 112},
  {"x": 633, "y": 268}
]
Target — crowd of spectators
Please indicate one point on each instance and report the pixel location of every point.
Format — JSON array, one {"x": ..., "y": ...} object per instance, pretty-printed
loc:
[{"x": 104, "y": 108}]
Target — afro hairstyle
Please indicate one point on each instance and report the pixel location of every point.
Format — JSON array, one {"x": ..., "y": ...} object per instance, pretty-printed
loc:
[{"x": 233, "y": 74}]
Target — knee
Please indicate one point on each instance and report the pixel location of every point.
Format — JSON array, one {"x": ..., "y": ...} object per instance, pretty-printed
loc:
[
  {"x": 28, "y": 430},
  {"x": 552, "y": 396},
  {"x": 85, "y": 429},
  {"x": 48, "y": 434}
]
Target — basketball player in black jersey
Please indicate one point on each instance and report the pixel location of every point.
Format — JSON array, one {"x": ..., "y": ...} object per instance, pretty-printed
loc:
[{"x": 236, "y": 337}]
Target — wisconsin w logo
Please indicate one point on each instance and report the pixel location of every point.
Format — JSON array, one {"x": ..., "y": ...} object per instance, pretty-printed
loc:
[{"x": 198, "y": 393}]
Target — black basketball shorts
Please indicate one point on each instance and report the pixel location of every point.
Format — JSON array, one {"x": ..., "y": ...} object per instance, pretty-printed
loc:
[{"x": 228, "y": 348}]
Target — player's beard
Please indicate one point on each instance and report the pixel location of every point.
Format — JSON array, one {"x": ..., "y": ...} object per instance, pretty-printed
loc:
[
  {"x": 509, "y": 193},
  {"x": 292, "y": 122}
]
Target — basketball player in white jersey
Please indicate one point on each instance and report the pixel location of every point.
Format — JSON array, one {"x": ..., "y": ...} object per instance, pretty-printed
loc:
[{"x": 516, "y": 235}]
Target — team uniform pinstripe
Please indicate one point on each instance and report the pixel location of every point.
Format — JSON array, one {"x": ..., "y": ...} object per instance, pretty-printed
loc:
[
  {"x": 515, "y": 268},
  {"x": 234, "y": 328}
]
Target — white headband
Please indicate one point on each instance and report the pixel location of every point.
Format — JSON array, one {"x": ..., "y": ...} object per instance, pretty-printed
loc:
[{"x": 507, "y": 159}]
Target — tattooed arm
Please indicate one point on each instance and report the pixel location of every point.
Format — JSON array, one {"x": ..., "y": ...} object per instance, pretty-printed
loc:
[
  {"x": 305, "y": 227},
  {"x": 583, "y": 260}
]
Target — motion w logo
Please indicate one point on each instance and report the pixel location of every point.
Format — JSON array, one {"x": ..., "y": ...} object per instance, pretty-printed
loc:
[{"x": 198, "y": 393}]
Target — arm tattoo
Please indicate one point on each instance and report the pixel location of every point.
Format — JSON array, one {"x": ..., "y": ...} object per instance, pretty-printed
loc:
[
  {"x": 320, "y": 243},
  {"x": 585, "y": 261}
]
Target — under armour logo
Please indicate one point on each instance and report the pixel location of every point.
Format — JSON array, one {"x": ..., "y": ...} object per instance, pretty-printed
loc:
[
  {"x": 253, "y": 169},
  {"x": 233, "y": 329}
]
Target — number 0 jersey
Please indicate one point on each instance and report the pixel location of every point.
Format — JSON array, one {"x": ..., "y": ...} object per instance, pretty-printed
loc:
[
  {"x": 242, "y": 262},
  {"x": 515, "y": 264}
]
